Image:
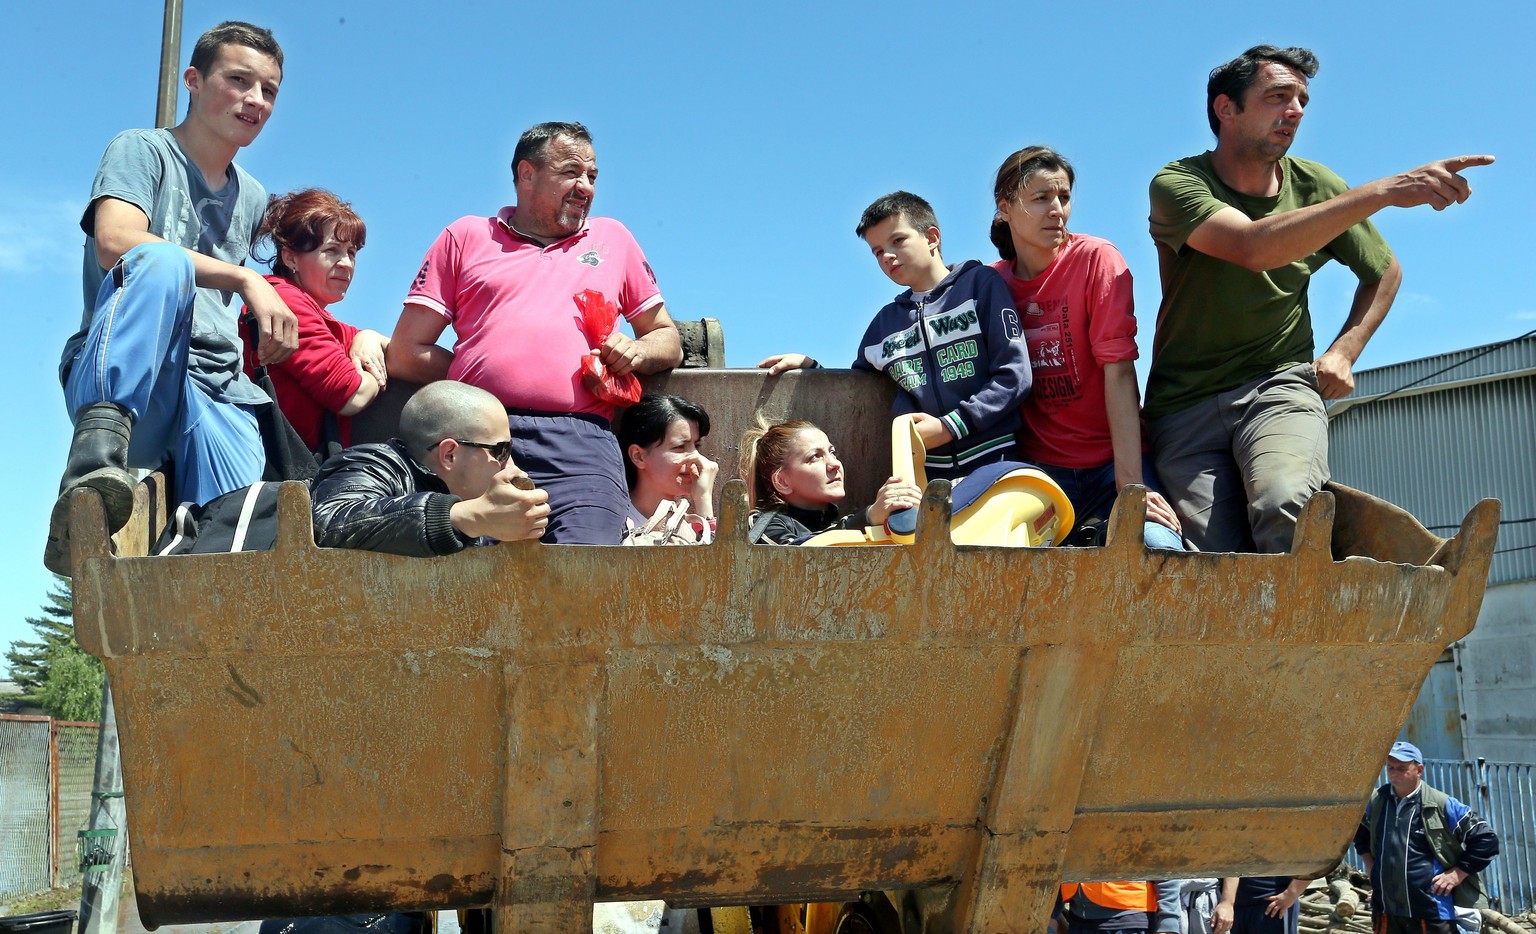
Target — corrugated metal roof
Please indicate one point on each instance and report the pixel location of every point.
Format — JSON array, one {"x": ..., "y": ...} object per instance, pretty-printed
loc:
[
  {"x": 1437, "y": 452},
  {"x": 1490, "y": 360}
]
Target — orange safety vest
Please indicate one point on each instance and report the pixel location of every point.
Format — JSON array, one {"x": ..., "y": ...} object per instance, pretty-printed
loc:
[{"x": 1118, "y": 896}]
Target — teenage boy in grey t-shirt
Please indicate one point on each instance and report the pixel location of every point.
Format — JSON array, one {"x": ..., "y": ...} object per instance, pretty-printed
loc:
[{"x": 154, "y": 373}]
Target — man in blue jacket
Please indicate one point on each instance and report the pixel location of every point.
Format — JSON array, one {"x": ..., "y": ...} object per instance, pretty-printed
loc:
[{"x": 1423, "y": 850}]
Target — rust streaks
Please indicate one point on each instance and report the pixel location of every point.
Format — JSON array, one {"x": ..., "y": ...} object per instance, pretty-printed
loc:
[
  {"x": 314, "y": 778},
  {"x": 243, "y": 693}
]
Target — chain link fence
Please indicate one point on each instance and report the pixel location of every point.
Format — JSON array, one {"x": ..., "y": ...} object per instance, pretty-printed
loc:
[
  {"x": 47, "y": 769},
  {"x": 76, "y": 744},
  {"x": 24, "y": 804}
]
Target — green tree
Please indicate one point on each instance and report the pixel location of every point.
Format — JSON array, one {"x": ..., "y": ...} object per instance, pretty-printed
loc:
[
  {"x": 54, "y": 672},
  {"x": 73, "y": 688},
  {"x": 54, "y": 628}
]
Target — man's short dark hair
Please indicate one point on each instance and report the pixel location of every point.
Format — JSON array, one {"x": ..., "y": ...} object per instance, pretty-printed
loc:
[
  {"x": 1236, "y": 77},
  {"x": 233, "y": 32},
  {"x": 918, "y": 212},
  {"x": 534, "y": 142},
  {"x": 442, "y": 409}
]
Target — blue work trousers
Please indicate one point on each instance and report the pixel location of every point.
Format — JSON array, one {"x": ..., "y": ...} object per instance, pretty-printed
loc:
[{"x": 135, "y": 355}]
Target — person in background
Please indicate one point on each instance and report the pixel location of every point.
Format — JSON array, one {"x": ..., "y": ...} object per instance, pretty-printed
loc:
[
  {"x": 1259, "y": 905},
  {"x": 1423, "y": 850},
  {"x": 1121, "y": 907},
  {"x": 1198, "y": 901}
]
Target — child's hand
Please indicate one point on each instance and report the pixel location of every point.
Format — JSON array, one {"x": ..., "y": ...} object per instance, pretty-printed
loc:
[
  {"x": 780, "y": 362},
  {"x": 895, "y": 495},
  {"x": 932, "y": 430}
]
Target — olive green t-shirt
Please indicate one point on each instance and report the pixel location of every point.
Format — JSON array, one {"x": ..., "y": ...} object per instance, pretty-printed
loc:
[{"x": 1220, "y": 325}]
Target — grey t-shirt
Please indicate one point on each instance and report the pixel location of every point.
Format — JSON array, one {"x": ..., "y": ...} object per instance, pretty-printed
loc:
[{"x": 147, "y": 169}]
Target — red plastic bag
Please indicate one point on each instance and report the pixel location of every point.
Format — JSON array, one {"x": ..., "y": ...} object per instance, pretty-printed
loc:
[{"x": 598, "y": 319}]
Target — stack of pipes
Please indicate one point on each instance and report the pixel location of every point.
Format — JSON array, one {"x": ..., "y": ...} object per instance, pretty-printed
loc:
[
  {"x": 1340, "y": 903},
  {"x": 1337, "y": 903},
  {"x": 1495, "y": 923}
]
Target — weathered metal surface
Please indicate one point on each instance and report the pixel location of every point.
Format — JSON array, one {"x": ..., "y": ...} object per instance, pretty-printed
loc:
[
  {"x": 310, "y": 730},
  {"x": 703, "y": 344}
]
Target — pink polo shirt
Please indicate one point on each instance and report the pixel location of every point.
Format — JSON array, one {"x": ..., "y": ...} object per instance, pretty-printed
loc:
[{"x": 511, "y": 303}]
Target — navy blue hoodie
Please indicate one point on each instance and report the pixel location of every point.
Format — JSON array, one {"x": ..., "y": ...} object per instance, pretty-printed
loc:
[{"x": 958, "y": 355}]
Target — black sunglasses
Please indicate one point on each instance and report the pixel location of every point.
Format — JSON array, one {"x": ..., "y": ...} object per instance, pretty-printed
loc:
[{"x": 500, "y": 451}]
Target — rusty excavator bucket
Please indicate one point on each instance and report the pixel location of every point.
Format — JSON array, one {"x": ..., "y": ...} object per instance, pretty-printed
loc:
[{"x": 532, "y": 727}]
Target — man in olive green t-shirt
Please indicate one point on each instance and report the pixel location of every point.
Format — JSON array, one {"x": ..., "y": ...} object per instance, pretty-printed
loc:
[{"x": 1235, "y": 397}]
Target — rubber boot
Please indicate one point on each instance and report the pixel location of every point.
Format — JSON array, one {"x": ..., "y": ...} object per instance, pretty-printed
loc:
[{"x": 98, "y": 460}]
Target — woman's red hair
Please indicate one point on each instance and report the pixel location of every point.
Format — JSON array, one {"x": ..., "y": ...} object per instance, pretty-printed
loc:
[{"x": 297, "y": 221}]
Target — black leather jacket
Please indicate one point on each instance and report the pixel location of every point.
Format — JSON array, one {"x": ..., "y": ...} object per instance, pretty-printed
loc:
[
  {"x": 377, "y": 498},
  {"x": 788, "y": 525}
]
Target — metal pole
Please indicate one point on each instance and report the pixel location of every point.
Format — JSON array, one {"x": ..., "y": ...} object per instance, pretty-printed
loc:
[
  {"x": 170, "y": 58},
  {"x": 107, "y": 843},
  {"x": 55, "y": 834}
]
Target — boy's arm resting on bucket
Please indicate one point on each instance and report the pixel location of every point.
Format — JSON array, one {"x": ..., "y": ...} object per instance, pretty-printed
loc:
[{"x": 120, "y": 226}]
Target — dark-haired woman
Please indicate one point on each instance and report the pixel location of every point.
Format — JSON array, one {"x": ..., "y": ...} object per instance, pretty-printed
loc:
[
  {"x": 337, "y": 368},
  {"x": 671, "y": 484},
  {"x": 1082, "y": 421}
]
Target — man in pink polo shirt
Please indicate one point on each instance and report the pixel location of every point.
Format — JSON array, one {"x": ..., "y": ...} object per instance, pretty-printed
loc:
[{"x": 508, "y": 286}]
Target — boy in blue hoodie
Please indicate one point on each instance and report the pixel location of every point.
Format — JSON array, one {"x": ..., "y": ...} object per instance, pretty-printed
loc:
[{"x": 951, "y": 341}]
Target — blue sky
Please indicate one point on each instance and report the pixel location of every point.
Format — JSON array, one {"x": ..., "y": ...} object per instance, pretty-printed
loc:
[{"x": 740, "y": 142}]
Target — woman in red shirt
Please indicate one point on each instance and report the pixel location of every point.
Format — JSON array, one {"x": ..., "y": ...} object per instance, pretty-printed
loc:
[
  {"x": 337, "y": 370},
  {"x": 1082, "y": 419}
]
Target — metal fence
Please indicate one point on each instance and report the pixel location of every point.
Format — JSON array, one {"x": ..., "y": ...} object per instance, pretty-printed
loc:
[
  {"x": 47, "y": 768},
  {"x": 1504, "y": 794},
  {"x": 75, "y": 772},
  {"x": 24, "y": 806}
]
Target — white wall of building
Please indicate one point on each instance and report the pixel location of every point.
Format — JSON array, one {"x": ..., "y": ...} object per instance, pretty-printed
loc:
[{"x": 1498, "y": 676}]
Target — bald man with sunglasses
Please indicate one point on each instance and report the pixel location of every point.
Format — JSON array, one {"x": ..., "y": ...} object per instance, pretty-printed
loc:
[{"x": 446, "y": 483}]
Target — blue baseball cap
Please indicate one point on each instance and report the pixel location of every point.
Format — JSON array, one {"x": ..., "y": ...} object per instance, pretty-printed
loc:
[{"x": 1406, "y": 752}]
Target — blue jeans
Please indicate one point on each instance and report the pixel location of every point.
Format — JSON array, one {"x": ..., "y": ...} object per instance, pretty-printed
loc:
[
  {"x": 1092, "y": 493},
  {"x": 135, "y": 355}
]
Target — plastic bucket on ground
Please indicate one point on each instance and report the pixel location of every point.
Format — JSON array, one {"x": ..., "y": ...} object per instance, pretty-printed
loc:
[{"x": 39, "y": 922}]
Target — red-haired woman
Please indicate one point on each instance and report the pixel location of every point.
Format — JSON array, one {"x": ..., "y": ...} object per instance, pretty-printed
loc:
[{"x": 338, "y": 368}]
